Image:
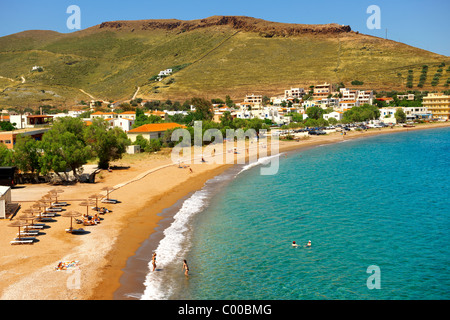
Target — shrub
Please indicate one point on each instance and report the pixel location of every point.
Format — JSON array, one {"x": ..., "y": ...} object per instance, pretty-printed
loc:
[{"x": 357, "y": 83}]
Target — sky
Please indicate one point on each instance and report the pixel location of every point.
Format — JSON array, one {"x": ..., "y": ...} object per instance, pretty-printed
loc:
[{"x": 419, "y": 23}]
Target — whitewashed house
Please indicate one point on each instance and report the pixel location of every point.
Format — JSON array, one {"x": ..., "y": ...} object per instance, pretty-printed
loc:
[{"x": 335, "y": 114}]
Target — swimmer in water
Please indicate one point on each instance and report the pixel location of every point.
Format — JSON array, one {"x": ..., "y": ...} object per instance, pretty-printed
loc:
[
  {"x": 294, "y": 244},
  {"x": 309, "y": 243},
  {"x": 185, "y": 267}
]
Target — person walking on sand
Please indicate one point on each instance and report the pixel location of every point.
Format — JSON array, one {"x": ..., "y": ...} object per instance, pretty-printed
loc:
[
  {"x": 185, "y": 268},
  {"x": 154, "y": 261}
]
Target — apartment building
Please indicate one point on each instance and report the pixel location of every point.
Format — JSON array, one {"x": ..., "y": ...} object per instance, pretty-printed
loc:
[
  {"x": 252, "y": 98},
  {"x": 362, "y": 96},
  {"x": 438, "y": 104},
  {"x": 294, "y": 93},
  {"x": 323, "y": 90}
]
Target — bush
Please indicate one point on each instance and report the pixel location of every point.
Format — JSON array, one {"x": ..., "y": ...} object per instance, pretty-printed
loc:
[{"x": 357, "y": 83}]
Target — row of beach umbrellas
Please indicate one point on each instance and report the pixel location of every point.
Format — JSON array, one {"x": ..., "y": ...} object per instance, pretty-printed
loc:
[{"x": 47, "y": 200}]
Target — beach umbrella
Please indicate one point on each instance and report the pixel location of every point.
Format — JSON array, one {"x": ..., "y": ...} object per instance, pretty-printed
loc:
[
  {"x": 26, "y": 217},
  {"x": 96, "y": 197},
  {"x": 45, "y": 201},
  {"x": 71, "y": 215},
  {"x": 38, "y": 207},
  {"x": 108, "y": 190},
  {"x": 55, "y": 192},
  {"x": 87, "y": 204},
  {"x": 19, "y": 224}
]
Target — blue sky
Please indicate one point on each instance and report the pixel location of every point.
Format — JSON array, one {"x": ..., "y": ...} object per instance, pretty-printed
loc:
[{"x": 423, "y": 24}]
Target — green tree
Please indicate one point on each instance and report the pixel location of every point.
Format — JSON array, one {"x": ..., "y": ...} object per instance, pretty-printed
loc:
[
  {"x": 400, "y": 115},
  {"x": 6, "y": 126},
  {"x": 297, "y": 117},
  {"x": 64, "y": 147},
  {"x": 27, "y": 154},
  {"x": 107, "y": 144},
  {"x": 226, "y": 119},
  {"x": 204, "y": 109},
  {"x": 314, "y": 112},
  {"x": 6, "y": 156},
  {"x": 229, "y": 102},
  {"x": 332, "y": 121}
]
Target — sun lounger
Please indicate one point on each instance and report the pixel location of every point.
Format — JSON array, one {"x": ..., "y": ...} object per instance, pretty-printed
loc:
[
  {"x": 25, "y": 239},
  {"x": 54, "y": 209},
  {"x": 48, "y": 215},
  {"x": 109, "y": 201},
  {"x": 74, "y": 231},
  {"x": 29, "y": 233},
  {"x": 22, "y": 242},
  {"x": 59, "y": 204},
  {"x": 34, "y": 227}
]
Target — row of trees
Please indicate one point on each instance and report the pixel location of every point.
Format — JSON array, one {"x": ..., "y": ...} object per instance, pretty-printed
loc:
[{"x": 68, "y": 145}]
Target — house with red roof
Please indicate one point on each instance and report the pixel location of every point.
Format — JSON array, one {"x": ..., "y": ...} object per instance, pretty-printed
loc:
[{"x": 153, "y": 131}]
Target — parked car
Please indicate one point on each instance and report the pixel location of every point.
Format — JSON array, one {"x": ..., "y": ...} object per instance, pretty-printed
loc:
[{"x": 317, "y": 132}]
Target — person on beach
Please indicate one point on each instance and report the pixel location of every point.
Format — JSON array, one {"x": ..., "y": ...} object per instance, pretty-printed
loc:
[
  {"x": 185, "y": 268},
  {"x": 154, "y": 261}
]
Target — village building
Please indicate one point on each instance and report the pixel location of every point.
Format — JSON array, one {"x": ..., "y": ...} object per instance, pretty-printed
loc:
[
  {"x": 152, "y": 131},
  {"x": 438, "y": 105}
]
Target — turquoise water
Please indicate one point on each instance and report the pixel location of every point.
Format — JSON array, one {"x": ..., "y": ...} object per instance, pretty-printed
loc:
[{"x": 380, "y": 201}]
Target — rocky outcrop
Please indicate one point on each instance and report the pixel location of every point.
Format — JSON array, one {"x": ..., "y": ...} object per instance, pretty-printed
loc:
[{"x": 248, "y": 24}]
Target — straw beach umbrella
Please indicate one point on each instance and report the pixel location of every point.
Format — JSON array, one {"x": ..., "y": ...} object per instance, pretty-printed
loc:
[
  {"x": 87, "y": 204},
  {"x": 19, "y": 224},
  {"x": 46, "y": 202},
  {"x": 27, "y": 217},
  {"x": 96, "y": 197},
  {"x": 54, "y": 192},
  {"x": 71, "y": 215},
  {"x": 39, "y": 205},
  {"x": 108, "y": 190}
]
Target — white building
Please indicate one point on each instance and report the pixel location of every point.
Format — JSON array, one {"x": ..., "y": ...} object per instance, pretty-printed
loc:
[
  {"x": 409, "y": 96},
  {"x": 362, "y": 96},
  {"x": 414, "y": 113},
  {"x": 104, "y": 115},
  {"x": 365, "y": 97},
  {"x": 335, "y": 114},
  {"x": 166, "y": 72},
  {"x": 294, "y": 93},
  {"x": 123, "y": 123},
  {"x": 5, "y": 199},
  {"x": 345, "y": 105},
  {"x": 127, "y": 115},
  {"x": 253, "y": 98},
  {"x": 387, "y": 115}
]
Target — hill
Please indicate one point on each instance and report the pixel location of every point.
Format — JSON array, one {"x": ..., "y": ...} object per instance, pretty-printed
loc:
[{"x": 213, "y": 57}]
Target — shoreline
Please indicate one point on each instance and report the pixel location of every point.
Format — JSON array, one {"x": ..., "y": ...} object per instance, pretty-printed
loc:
[{"x": 104, "y": 252}]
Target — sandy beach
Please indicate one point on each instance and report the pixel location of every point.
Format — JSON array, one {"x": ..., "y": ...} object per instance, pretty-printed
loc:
[{"x": 145, "y": 185}]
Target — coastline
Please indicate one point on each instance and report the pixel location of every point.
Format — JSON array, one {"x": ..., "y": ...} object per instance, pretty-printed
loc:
[{"x": 28, "y": 272}]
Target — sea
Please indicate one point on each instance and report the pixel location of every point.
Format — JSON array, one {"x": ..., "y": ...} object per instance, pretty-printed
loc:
[{"x": 375, "y": 209}]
